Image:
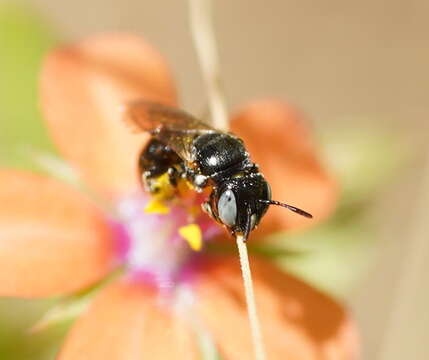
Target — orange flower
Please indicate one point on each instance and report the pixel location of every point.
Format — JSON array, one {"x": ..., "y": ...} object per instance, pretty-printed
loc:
[{"x": 53, "y": 240}]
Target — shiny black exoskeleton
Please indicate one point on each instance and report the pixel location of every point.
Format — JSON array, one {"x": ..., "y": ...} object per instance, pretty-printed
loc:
[
  {"x": 184, "y": 147},
  {"x": 216, "y": 153},
  {"x": 223, "y": 162}
]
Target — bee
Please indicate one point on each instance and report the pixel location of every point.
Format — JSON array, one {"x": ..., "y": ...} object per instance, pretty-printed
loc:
[{"x": 183, "y": 147}]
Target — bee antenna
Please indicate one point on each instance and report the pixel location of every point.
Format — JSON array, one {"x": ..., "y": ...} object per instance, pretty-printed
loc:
[{"x": 290, "y": 207}]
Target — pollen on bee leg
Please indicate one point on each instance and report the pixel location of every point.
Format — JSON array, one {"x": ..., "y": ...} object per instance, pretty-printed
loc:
[
  {"x": 193, "y": 235},
  {"x": 159, "y": 187}
]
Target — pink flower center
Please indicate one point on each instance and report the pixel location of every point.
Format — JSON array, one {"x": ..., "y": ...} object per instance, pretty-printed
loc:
[{"x": 151, "y": 245}]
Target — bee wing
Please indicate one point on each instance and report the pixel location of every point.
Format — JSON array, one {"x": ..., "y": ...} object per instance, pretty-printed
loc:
[{"x": 172, "y": 126}]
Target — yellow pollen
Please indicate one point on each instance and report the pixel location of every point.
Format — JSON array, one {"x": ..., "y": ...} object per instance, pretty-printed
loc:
[
  {"x": 165, "y": 189},
  {"x": 156, "y": 207},
  {"x": 192, "y": 234}
]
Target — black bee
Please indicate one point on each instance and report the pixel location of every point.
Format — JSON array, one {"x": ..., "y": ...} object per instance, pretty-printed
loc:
[{"x": 184, "y": 147}]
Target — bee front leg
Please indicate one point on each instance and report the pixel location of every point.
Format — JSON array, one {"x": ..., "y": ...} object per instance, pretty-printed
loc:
[
  {"x": 173, "y": 175},
  {"x": 198, "y": 181},
  {"x": 207, "y": 208},
  {"x": 150, "y": 181}
]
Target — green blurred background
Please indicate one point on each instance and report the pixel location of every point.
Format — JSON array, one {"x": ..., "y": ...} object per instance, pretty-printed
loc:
[{"x": 358, "y": 69}]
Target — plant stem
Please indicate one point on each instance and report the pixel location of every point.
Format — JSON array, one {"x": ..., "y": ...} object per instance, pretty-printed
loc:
[
  {"x": 205, "y": 46},
  {"x": 255, "y": 327}
]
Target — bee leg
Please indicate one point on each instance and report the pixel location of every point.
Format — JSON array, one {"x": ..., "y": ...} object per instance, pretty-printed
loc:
[
  {"x": 198, "y": 181},
  {"x": 150, "y": 181},
  {"x": 174, "y": 175},
  {"x": 158, "y": 166},
  {"x": 207, "y": 208}
]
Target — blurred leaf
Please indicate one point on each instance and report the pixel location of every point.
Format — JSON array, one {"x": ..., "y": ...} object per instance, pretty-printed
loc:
[
  {"x": 334, "y": 255},
  {"x": 363, "y": 159},
  {"x": 16, "y": 318},
  {"x": 24, "y": 39},
  {"x": 330, "y": 257}
]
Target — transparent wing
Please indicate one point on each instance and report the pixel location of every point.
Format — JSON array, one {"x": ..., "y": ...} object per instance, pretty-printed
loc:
[{"x": 170, "y": 125}]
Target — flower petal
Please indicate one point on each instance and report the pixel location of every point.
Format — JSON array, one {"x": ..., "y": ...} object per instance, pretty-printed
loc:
[
  {"x": 52, "y": 240},
  {"x": 281, "y": 144},
  {"x": 84, "y": 87},
  {"x": 298, "y": 323},
  {"x": 125, "y": 322}
]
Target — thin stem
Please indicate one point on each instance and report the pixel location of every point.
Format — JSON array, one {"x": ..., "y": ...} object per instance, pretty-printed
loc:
[
  {"x": 205, "y": 46},
  {"x": 255, "y": 327}
]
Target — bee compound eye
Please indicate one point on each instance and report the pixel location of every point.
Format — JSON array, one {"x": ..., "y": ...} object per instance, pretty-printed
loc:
[{"x": 227, "y": 208}]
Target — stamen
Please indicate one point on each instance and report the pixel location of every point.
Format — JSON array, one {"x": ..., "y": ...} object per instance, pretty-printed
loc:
[
  {"x": 193, "y": 235},
  {"x": 157, "y": 248},
  {"x": 156, "y": 206}
]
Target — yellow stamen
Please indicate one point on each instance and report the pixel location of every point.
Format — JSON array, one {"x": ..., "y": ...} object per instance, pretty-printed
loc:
[
  {"x": 192, "y": 234},
  {"x": 156, "y": 207}
]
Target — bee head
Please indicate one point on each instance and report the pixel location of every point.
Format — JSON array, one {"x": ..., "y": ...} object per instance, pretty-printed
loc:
[
  {"x": 235, "y": 203},
  {"x": 239, "y": 203}
]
